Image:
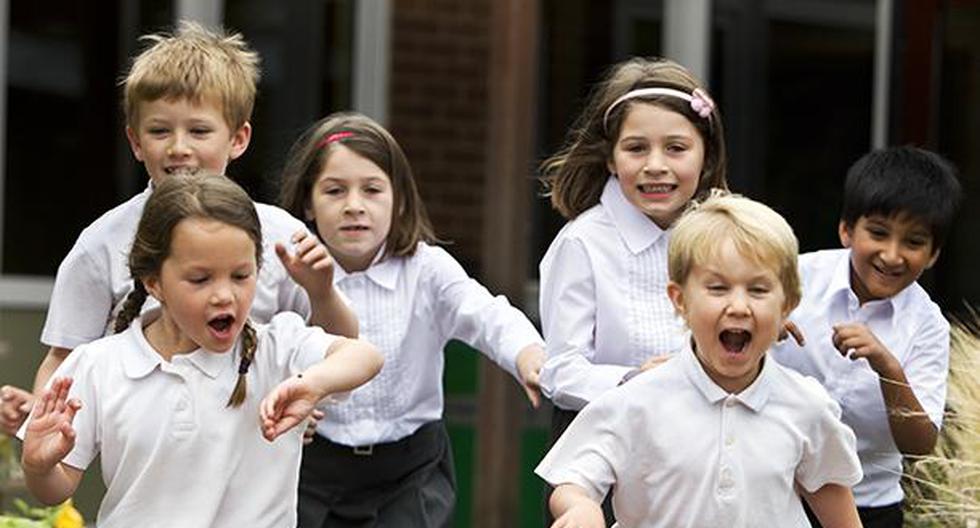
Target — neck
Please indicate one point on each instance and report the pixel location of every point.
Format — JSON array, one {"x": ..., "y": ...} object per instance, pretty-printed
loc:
[{"x": 167, "y": 339}]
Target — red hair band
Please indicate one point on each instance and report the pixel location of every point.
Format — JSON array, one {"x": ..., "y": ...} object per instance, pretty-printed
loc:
[{"x": 333, "y": 138}]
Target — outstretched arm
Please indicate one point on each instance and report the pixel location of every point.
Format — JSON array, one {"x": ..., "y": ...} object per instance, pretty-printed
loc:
[
  {"x": 349, "y": 364},
  {"x": 833, "y": 505},
  {"x": 48, "y": 439},
  {"x": 573, "y": 508},
  {"x": 312, "y": 268}
]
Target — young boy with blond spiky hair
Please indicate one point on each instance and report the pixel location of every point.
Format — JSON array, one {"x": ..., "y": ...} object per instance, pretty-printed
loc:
[
  {"x": 188, "y": 98},
  {"x": 718, "y": 435}
]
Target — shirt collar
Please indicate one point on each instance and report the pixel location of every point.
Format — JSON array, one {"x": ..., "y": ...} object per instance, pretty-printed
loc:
[
  {"x": 754, "y": 396},
  {"x": 637, "y": 230},
  {"x": 383, "y": 271},
  {"x": 841, "y": 282},
  {"x": 143, "y": 359}
]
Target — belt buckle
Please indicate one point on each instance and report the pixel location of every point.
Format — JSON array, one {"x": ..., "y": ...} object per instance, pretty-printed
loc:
[{"x": 367, "y": 450}]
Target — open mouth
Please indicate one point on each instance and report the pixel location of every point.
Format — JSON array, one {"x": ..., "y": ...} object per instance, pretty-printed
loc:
[
  {"x": 735, "y": 340},
  {"x": 656, "y": 188},
  {"x": 221, "y": 326},
  {"x": 183, "y": 170},
  {"x": 354, "y": 228},
  {"x": 890, "y": 273}
]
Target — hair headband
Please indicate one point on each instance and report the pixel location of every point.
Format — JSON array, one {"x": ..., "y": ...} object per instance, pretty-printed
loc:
[
  {"x": 701, "y": 103},
  {"x": 333, "y": 138}
]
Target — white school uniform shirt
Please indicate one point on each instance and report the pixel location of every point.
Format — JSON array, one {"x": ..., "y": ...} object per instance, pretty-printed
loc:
[
  {"x": 682, "y": 452},
  {"x": 913, "y": 329},
  {"x": 93, "y": 280},
  {"x": 172, "y": 453},
  {"x": 410, "y": 307},
  {"x": 603, "y": 299}
]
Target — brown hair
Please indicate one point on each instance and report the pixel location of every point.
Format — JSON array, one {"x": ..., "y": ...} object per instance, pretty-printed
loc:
[
  {"x": 173, "y": 200},
  {"x": 308, "y": 156},
  {"x": 197, "y": 64},
  {"x": 575, "y": 176}
]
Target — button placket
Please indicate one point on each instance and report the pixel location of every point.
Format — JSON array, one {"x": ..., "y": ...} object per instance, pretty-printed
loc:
[{"x": 726, "y": 480}]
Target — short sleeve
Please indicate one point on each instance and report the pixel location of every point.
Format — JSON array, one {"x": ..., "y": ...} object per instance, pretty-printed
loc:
[
  {"x": 81, "y": 302},
  {"x": 591, "y": 450},
  {"x": 829, "y": 454},
  {"x": 927, "y": 367},
  {"x": 294, "y": 345}
]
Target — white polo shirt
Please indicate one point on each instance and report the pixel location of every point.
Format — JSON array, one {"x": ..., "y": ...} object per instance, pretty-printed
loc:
[
  {"x": 93, "y": 280},
  {"x": 172, "y": 453},
  {"x": 603, "y": 299},
  {"x": 410, "y": 307},
  {"x": 913, "y": 329},
  {"x": 681, "y": 452}
]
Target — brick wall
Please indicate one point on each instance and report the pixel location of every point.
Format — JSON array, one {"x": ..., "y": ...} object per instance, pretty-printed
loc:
[{"x": 439, "y": 60}]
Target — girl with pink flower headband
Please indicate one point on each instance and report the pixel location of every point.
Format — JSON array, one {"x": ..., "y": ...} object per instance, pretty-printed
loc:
[{"x": 649, "y": 141}]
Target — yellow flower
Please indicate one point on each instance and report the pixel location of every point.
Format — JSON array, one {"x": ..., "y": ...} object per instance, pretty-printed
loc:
[{"x": 68, "y": 517}]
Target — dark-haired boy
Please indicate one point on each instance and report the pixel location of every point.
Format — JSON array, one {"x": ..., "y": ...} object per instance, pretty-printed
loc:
[{"x": 875, "y": 340}]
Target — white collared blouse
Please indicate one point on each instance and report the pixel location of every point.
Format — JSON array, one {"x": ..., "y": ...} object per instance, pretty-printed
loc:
[
  {"x": 410, "y": 308},
  {"x": 603, "y": 299}
]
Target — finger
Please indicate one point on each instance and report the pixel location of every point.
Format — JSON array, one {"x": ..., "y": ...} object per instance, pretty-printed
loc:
[
  {"x": 298, "y": 236},
  {"x": 284, "y": 256},
  {"x": 314, "y": 254},
  {"x": 283, "y": 425},
  {"x": 72, "y": 408},
  {"x": 796, "y": 333},
  {"x": 533, "y": 395},
  {"x": 316, "y": 415}
]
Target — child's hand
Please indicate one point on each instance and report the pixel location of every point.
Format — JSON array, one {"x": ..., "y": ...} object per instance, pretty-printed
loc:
[
  {"x": 654, "y": 361},
  {"x": 310, "y": 430},
  {"x": 15, "y": 405},
  {"x": 584, "y": 514},
  {"x": 529, "y": 362},
  {"x": 790, "y": 329},
  {"x": 855, "y": 340},
  {"x": 291, "y": 402},
  {"x": 310, "y": 265},
  {"x": 49, "y": 436}
]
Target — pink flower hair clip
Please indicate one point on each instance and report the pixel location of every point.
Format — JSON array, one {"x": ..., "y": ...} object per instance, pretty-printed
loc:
[{"x": 701, "y": 103}]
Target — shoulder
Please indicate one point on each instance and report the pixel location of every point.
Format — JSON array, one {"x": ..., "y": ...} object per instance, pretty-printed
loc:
[
  {"x": 116, "y": 224},
  {"x": 593, "y": 221},
  {"x": 803, "y": 394},
  {"x": 824, "y": 259},
  {"x": 277, "y": 220},
  {"x": 433, "y": 261}
]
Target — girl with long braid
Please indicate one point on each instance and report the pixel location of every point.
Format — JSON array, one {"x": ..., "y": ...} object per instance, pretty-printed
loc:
[{"x": 186, "y": 402}]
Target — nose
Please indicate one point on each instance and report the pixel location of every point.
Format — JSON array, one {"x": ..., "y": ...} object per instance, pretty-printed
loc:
[
  {"x": 738, "y": 303},
  {"x": 354, "y": 204},
  {"x": 655, "y": 163},
  {"x": 221, "y": 294},
  {"x": 178, "y": 146},
  {"x": 891, "y": 253}
]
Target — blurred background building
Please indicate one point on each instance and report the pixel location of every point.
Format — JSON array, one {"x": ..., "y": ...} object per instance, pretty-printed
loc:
[{"x": 478, "y": 92}]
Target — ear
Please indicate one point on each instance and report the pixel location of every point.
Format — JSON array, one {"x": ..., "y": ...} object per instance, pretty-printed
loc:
[
  {"x": 676, "y": 294},
  {"x": 846, "y": 233},
  {"x": 152, "y": 285},
  {"x": 933, "y": 259},
  {"x": 240, "y": 140},
  {"x": 134, "y": 143},
  {"x": 611, "y": 166}
]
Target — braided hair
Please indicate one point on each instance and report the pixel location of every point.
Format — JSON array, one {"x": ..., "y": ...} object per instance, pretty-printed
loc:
[{"x": 177, "y": 198}]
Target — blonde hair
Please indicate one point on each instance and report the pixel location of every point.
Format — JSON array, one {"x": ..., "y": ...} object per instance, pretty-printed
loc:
[
  {"x": 197, "y": 64},
  {"x": 757, "y": 231},
  {"x": 308, "y": 156},
  {"x": 575, "y": 176},
  {"x": 175, "y": 199}
]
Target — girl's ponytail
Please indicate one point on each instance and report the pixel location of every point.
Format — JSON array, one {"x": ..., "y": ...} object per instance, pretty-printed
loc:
[
  {"x": 249, "y": 344},
  {"x": 131, "y": 307}
]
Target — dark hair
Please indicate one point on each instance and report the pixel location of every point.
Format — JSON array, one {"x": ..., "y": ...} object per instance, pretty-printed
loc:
[
  {"x": 576, "y": 175},
  {"x": 903, "y": 181},
  {"x": 175, "y": 199},
  {"x": 308, "y": 156}
]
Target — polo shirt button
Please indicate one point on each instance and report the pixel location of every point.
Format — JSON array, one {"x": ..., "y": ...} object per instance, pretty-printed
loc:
[{"x": 730, "y": 441}]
